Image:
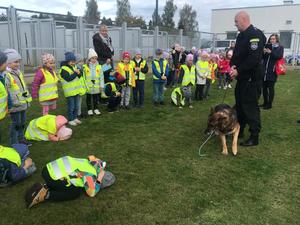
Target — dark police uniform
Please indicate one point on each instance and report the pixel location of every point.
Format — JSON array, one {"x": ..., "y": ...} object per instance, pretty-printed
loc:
[{"x": 247, "y": 57}]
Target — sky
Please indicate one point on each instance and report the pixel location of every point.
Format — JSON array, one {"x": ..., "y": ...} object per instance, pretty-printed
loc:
[{"x": 108, "y": 7}]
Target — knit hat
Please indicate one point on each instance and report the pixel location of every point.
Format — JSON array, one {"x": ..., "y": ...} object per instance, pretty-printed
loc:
[
  {"x": 46, "y": 57},
  {"x": 138, "y": 51},
  {"x": 12, "y": 55},
  {"x": 69, "y": 56},
  {"x": 3, "y": 58},
  {"x": 60, "y": 121},
  {"x": 126, "y": 55},
  {"x": 158, "y": 51},
  {"x": 79, "y": 57},
  {"x": 92, "y": 54},
  {"x": 189, "y": 57},
  {"x": 166, "y": 55}
]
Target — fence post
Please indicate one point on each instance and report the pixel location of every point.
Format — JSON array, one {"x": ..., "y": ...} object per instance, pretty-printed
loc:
[
  {"x": 180, "y": 37},
  {"x": 123, "y": 36},
  {"x": 13, "y": 28},
  {"x": 80, "y": 36},
  {"x": 155, "y": 38},
  {"x": 199, "y": 40}
]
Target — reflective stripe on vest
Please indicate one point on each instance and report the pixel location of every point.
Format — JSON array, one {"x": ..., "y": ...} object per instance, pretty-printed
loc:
[
  {"x": 3, "y": 101},
  {"x": 157, "y": 66},
  {"x": 10, "y": 154},
  {"x": 73, "y": 87},
  {"x": 63, "y": 167},
  {"x": 16, "y": 90},
  {"x": 113, "y": 86},
  {"x": 175, "y": 92},
  {"x": 189, "y": 75},
  {"x": 48, "y": 90},
  {"x": 33, "y": 132},
  {"x": 141, "y": 76},
  {"x": 92, "y": 88},
  {"x": 202, "y": 67}
]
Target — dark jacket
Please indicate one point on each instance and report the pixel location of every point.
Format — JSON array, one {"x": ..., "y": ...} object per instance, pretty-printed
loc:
[
  {"x": 65, "y": 75},
  {"x": 108, "y": 89},
  {"x": 102, "y": 50},
  {"x": 143, "y": 70},
  {"x": 270, "y": 61},
  {"x": 248, "y": 53}
]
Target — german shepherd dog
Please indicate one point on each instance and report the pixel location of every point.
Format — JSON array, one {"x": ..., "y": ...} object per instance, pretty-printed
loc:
[{"x": 223, "y": 121}]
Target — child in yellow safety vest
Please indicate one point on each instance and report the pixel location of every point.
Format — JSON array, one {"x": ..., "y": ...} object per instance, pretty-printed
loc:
[
  {"x": 79, "y": 65},
  {"x": 4, "y": 97},
  {"x": 126, "y": 70},
  {"x": 203, "y": 71},
  {"x": 19, "y": 94},
  {"x": 44, "y": 85},
  {"x": 187, "y": 79}
]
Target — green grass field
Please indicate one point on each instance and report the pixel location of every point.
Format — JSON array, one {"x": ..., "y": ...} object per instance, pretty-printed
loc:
[{"x": 161, "y": 179}]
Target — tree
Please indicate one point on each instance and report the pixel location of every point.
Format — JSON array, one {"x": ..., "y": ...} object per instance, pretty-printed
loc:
[
  {"x": 92, "y": 15},
  {"x": 123, "y": 11},
  {"x": 107, "y": 22},
  {"x": 150, "y": 25},
  {"x": 168, "y": 15},
  {"x": 135, "y": 21},
  {"x": 159, "y": 22},
  {"x": 188, "y": 19}
]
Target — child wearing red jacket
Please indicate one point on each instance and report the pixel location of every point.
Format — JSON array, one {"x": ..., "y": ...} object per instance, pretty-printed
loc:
[{"x": 223, "y": 68}]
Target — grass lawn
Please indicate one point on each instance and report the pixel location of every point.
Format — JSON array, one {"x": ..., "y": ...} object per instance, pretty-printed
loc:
[{"x": 161, "y": 179}]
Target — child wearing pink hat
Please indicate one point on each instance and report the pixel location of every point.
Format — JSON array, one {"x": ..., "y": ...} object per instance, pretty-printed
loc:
[{"x": 44, "y": 86}]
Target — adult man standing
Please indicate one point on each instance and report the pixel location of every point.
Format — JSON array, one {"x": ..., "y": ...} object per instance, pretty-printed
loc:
[
  {"x": 104, "y": 49},
  {"x": 246, "y": 67}
]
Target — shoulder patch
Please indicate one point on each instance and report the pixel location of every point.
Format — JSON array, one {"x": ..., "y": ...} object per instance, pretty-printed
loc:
[
  {"x": 254, "y": 40},
  {"x": 254, "y": 45}
]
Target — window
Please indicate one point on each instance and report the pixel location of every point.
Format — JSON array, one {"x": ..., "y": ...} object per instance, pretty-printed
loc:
[
  {"x": 288, "y": 22},
  {"x": 231, "y": 35},
  {"x": 222, "y": 44},
  {"x": 286, "y": 38}
]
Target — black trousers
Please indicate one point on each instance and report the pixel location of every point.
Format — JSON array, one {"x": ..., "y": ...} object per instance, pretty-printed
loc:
[
  {"x": 199, "y": 92},
  {"x": 92, "y": 101},
  {"x": 58, "y": 191},
  {"x": 246, "y": 97},
  {"x": 113, "y": 103},
  {"x": 138, "y": 93},
  {"x": 268, "y": 92}
]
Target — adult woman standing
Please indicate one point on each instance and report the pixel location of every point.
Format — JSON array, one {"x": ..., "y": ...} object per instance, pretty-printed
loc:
[{"x": 272, "y": 52}]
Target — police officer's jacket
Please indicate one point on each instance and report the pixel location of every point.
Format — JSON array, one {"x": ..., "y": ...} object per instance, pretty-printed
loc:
[{"x": 247, "y": 54}]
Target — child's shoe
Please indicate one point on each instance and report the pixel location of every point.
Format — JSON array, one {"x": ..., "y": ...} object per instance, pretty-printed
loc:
[
  {"x": 72, "y": 123},
  {"x": 77, "y": 121},
  {"x": 229, "y": 86},
  {"x": 90, "y": 112},
  {"x": 191, "y": 107},
  {"x": 97, "y": 112}
]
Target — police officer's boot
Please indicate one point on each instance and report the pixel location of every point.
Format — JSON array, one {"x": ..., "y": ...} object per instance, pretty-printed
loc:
[{"x": 252, "y": 141}]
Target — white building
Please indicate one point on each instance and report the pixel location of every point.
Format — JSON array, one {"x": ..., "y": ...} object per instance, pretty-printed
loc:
[{"x": 282, "y": 19}]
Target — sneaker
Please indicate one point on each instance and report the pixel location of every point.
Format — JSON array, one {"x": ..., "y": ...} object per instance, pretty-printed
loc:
[
  {"x": 72, "y": 123},
  {"x": 229, "y": 86},
  {"x": 219, "y": 87},
  {"x": 161, "y": 103},
  {"x": 36, "y": 194},
  {"x": 97, "y": 112},
  {"x": 90, "y": 112},
  {"x": 165, "y": 88},
  {"x": 77, "y": 121},
  {"x": 225, "y": 87},
  {"x": 191, "y": 107},
  {"x": 180, "y": 107}
]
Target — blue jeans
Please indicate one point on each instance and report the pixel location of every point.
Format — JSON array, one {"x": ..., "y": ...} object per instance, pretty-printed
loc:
[
  {"x": 17, "y": 126},
  {"x": 73, "y": 106},
  {"x": 138, "y": 93},
  {"x": 158, "y": 92}
]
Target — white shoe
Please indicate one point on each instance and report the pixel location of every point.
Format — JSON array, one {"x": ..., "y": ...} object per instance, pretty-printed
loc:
[
  {"x": 77, "y": 121},
  {"x": 229, "y": 86},
  {"x": 191, "y": 107},
  {"x": 90, "y": 112},
  {"x": 97, "y": 112},
  {"x": 225, "y": 87},
  {"x": 165, "y": 88},
  {"x": 72, "y": 123}
]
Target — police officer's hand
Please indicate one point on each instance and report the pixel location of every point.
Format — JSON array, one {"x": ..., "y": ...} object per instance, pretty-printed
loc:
[{"x": 233, "y": 72}]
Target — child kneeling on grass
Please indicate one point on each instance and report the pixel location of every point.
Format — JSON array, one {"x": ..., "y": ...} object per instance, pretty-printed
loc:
[{"x": 66, "y": 177}]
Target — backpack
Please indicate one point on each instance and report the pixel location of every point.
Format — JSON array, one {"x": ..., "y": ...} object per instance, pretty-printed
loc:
[
  {"x": 4, "y": 173},
  {"x": 280, "y": 67}
]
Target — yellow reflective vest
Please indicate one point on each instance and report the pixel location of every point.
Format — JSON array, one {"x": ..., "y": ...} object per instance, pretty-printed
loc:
[
  {"x": 67, "y": 167},
  {"x": 177, "y": 92},
  {"x": 157, "y": 66},
  {"x": 73, "y": 87},
  {"x": 92, "y": 87},
  {"x": 15, "y": 89},
  {"x": 10, "y": 154},
  {"x": 113, "y": 86},
  {"x": 122, "y": 68},
  {"x": 189, "y": 76},
  {"x": 3, "y": 101},
  {"x": 48, "y": 90},
  {"x": 140, "y": 76},
  {"x": 39, "y": 129}
]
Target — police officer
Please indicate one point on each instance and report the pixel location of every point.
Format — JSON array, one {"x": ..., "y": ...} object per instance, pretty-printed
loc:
[{"x": 246, "y": 67}]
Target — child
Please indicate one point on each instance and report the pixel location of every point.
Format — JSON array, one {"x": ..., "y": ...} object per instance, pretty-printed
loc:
[
  {"x": 210, "y": 79},
  {"x": 94, "y": 79},
  {"x": 177, "y": 97},
  {"x": 160, "y": 71},
  {"x": 79, "y": 66},
  {"x": 19, "y": 94},
  {"x": 203, "y": 71},
  {"x": 187, "y": 79},
  {"x": 15, "y": 165},
  {"x": 113, "y": 91},
  {"x": 4, "y": 100},
  {"x": 140, "y": 69},
  {"x": 229, "y": 54},
  {"x": 44, "y": 85},
  {"x": 126, "y": 70},
  {"x": 223, "y": 69},
  {"x": 72, "y": 87}
]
